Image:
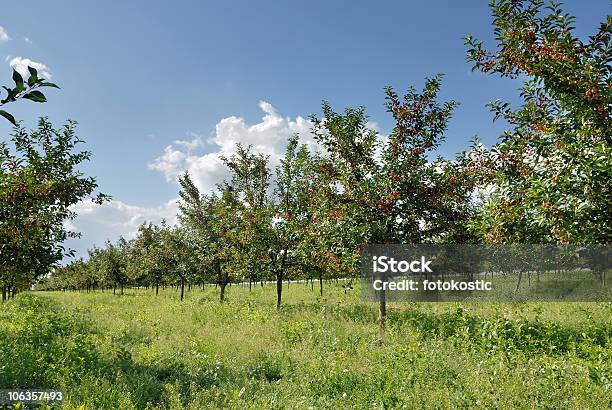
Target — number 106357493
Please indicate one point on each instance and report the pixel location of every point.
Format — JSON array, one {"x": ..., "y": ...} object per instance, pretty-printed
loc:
[{"x": 30, "y": 396}]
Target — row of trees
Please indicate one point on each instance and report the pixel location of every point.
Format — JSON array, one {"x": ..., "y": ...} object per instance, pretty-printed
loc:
[
  {"x": 313, "y": 215},
  {"x": 546, "y": 181}
]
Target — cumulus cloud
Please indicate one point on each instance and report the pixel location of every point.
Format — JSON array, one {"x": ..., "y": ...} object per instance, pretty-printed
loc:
[
  {"x": 113, "y": 219},
  {"x": 21, "y": 66},
  {"x": 269, "y": 137},
  {"x": 171, "y": 162},
  {"x": 190, "y": 145},
  {"x": 3, "y": 35}
]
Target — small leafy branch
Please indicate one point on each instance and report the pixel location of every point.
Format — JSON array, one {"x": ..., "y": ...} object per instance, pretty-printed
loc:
[{"x": 28, "y": 90}]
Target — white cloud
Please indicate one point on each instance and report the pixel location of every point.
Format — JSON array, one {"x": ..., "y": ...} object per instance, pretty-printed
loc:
[
  {"x": 171, "y": 163},
  {"x": 268, "y": 137},
  {"x": 113, "y": 219},
  {"x": 190, "y": 145},
  {"x": 27, "y": 40},
  {"x": 21, "y": 66},
  {"x": 3, "y": 35}
]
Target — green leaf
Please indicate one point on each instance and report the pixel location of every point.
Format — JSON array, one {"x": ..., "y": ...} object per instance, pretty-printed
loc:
[
  {"x": 8, "y": 117},
  {"x": 33, "y": 76},
  {"x": 18, "y": 80},
  {"x": 46, "y": 84},
  {"x": 35, "y": 96},
  {"x": 10, "y": 95}
]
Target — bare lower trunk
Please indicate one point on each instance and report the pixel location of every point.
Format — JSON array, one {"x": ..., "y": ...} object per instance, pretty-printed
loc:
[
  {"x": 182, "y": 288},
  {"x": 518, "y": 284},
  {"x": 382, "y": 305},
  {"x": 382, "y": 309},
  {"x": 279, "y": 289},
  {"x": 321, "y": 285},
  {"x": 156, "y": 288},
  {"x": 529, "y": 278},
  {"x": 222, "y": 293}
]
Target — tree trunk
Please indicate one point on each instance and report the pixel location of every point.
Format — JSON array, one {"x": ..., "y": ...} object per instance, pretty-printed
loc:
[
  {"x": 182, "y": 288},
  {"x": 529, "y": 278},
  {"x": 122, "y": 289},
  {"x": 382, "y": 304},
  {"x": 156, "y": 288},
  {"x": 518, "y": 284},
  {"x": 222, "y": 292},
  {"x": 250, "y": 285},
  {"x": 279, "y": 289},
  {"x": 114, "y": 290},
  {"x": 321, "y": 284},
  {"x": 3, "y": 294},
  {"x": 382, "y": 309}
]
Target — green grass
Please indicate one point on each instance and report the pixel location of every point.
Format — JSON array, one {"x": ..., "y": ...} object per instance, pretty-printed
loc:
[{"x": 142, "y": 351}]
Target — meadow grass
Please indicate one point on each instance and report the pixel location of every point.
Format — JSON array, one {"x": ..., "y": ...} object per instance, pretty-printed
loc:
[{"x": 144, "y": 351}]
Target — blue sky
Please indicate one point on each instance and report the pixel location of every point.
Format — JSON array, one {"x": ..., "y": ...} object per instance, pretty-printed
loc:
[{"x": 140, "y": 75}]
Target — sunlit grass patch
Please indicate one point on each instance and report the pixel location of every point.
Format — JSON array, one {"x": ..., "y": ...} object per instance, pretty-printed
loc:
[{"x": 142, "y": 351}]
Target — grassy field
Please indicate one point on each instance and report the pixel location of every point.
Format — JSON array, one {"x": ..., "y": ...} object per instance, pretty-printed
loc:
[{"x": 142, "y": 351}]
